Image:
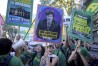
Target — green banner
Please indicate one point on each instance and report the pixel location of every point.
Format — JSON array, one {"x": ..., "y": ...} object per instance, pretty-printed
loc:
[{"x": 81, "y": 26}]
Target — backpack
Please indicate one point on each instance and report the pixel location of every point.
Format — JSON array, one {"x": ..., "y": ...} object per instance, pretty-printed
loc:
[{"x": 6, "y": 61}]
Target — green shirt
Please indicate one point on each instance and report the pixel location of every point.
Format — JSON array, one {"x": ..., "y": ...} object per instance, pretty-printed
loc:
[
  {"x": 37, "y": 59},
  {"x": 62, "y": 58},
  {"x": 85, "y": 52},
  {"x": 14, "y": 61},
  {"x": 25, "y": 56}
]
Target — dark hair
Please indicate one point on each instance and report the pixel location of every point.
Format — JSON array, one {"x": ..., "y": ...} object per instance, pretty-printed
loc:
[
  {"x": 79, "y": 60},
  {"x": 63, "y": 40},
  {"x": 5, "y": 46},
  {"x": 48, "y": 12},
  {"x": 43, "y": 50}
]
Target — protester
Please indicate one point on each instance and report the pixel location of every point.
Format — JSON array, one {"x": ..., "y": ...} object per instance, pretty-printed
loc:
[
  {"x": 76, "y": 58},
  {"x": 40, "y": 52},
  {"x": 59, "y": 51},
  {"x": 5, "y": 48},
  {"x": 49, "y": 59},
  {"x": 94, "y": 54},
  {"x": 26, "y": 55}
]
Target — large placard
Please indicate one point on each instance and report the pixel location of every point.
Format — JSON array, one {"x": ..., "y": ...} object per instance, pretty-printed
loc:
[
  {"x": 81, "y": 26},
  {"x": 19, "y": 12},
  {"x": 48, "y": 26}
]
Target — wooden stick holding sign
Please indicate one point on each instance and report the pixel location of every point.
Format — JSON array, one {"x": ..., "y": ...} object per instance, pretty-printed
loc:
[
  {"x": 46, "y": 50},
  {"x": 29, "y": 29}
]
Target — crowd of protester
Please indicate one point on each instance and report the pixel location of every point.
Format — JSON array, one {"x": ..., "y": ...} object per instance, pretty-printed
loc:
[{"x": 71, "y": 52}]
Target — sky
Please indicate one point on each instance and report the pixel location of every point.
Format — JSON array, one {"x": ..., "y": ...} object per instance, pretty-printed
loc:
[{"x": 3, "y": 6}]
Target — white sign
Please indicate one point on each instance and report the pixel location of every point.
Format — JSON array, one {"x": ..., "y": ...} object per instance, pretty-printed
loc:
[{"x": 67, "y": 20}]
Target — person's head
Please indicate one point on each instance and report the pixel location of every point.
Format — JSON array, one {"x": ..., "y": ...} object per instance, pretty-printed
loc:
[
  {"x": 57, "y": 46},
  {"x": 49, "y": 15},
  {"x": 40, "y": 49},
  {"x": 50, "y": 49},
  {"x": 5, "y": 46},
  {"x": 63, "y": 41},
  {"x": 26, "y": 47},
  {"x": 18, "y": 37}
]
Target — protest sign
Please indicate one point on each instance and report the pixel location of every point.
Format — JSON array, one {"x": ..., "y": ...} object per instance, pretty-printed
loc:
[
  {"x": 19, "y": 12},
  {"x": 67, "y": 20},
  {"x": 48, "y": 27},
  {"x": 93, "y": 7},
  {"x": 81, "y": 26}
]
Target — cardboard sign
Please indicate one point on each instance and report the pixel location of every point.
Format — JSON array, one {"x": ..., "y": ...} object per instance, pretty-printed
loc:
[
  {"x": 48, "y": 26},
  {"x": 81, "y": 26},
  {"x": 19, "y": 12}
]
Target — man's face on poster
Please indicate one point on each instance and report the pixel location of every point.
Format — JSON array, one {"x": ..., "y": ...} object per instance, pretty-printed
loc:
[{"x": 49, "y": 17}]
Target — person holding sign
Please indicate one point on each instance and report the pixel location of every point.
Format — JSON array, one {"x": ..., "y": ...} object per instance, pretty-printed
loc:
[
  {"x": 5, "y": 58},
  {"x": 48, "y": 28}
]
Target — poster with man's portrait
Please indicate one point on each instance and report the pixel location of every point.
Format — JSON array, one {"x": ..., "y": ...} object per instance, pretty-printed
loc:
[
  {"x": 48, "y": 26},
  {"x": 19, "y": 13},
  {"x": 81, "y": 26}
]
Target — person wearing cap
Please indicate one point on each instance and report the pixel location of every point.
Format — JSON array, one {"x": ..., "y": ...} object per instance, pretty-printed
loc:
[
  {"x": 48, "y": 26},
  {"x": 5, "y": 48}
]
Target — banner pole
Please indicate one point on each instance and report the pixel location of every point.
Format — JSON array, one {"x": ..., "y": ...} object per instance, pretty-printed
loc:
[
  {"x": 31, "y": 20},
  {"x": 29, "y": 30},
  {"x": 19, "y": 30}
]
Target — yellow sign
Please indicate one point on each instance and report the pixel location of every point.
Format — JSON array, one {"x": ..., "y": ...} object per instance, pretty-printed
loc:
[
  {"x": 24, "y": 1},
  {"x": 80, "y": 24},
  {"x": 50, "y": 34},
  {"x": 93, "y": 8}
]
